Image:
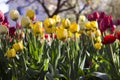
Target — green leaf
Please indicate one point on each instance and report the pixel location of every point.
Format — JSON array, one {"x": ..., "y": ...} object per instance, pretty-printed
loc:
[{"x": 46, "y": 64}]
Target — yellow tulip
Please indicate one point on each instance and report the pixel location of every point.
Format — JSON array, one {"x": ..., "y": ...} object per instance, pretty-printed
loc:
[
  {"x": 82, "y": 18},
  {"x": 57, "y": 18},
  {"x": 31, "y": 25},
  {"x": 14, "y": 15},
  {"x": 18, "y": 46},
  {"x": 74, "y": 27},
  {"x": 11, "y": 53},
  {"x": 77, "y": 35},
  {"x": 49, "y": 22},
  {"x": 97, "y": 32},
  {"x": 30, "y": 14},
  {"x": 98, "y": 45},
  {"x": 93, "y": 25},
  {"x": 25, "y": 21},
  {"x": 38, "y": 28},
  {"x": 61, "y": 34},
  {"x": 66, "y": 23},
  {"x": 98, "y": 39},
  {"x": 88, "y": 26},
  {"x": 70, "y": 34}
]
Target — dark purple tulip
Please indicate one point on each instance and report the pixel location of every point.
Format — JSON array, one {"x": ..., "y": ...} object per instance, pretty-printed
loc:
[
  {"x": 102, "y": 14},
  {"x": 12, "y": 31},
  {"x": 117, "y": 22},
  {"x": 96, "y": 15},
  {"x": 102, "y": 26},
  {"x": 90, "y": 17}
]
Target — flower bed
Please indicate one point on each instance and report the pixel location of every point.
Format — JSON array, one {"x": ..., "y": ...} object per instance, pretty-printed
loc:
[{"x": 58, "y": 48}]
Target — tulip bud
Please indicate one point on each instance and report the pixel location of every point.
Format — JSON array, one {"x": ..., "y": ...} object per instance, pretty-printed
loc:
[
  {"x": 102, "y": 14},
  {"x": 57, "y": 18},
  {"x": 38, "y": 28},
  {"x": 31, "y": 14},
  {"x": 11, "y": 53},
  {"x": 90, "y": 17},
  {"x": 22, "y": 35},
  {"x": 3, "y": 29},
  {"x": 61, "y": 34},
  {"x": 25, "y": 22},
  {"x": 49, "y": 22},
  {"x": 118, "y": 35},
  {"x": 12, "y": 31},
  {"x": 74, "y": 27},
  {"x": 97, "y": 33},
  {"x": 66, "y": 23},
  {"x": 96, "y": 15},
  {"x": 98, "y": 45},
  {"x": 82, "y": 18},
  {"x": 14, "y": 15},
  {"x": 1, "y": 16},
  {"x": 18, "y": 46}
]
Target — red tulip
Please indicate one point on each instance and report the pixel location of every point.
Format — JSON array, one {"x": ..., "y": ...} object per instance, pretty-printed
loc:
[
  {"x": 108, "y": 39},
  {"x": 46, "y": 36},
  {"x": 118, "y": 35},
  {"x": 1, "y": 16},
  {"x": 5, "y": 22},
  {"x": 12, "y": 31}
]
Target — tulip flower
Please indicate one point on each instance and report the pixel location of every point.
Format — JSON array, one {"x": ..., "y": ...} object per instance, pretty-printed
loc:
[
  {"x": 108, "y": 39},
  {"x": 12, "y": 31},
  {"x": 14, "y": 15},
  {"x": 1, "y": 16},
  {"x": 97, "y": 33},
  {"x": 5, "y": 22},
  {"x": 102, "y": 14},
  {"x": 49, "y": 22},
  {"x": 96, "y": 15},
  {"x": 30, "y": 14},
  {"x": 3, "y": 29},
  {"x": 90, "y": 17},
  {"x": 66, "y": 23},
  {"x": 61, "y": 34},
  {"x": 74, "y": 27},
  {"x": 118, "y": 35},
  {"x": 18, "y": 46},
  {"x": 98, "y": 45},
  {"x": 57, "y": 18},
  {"x": 46, "y": 36},
  {"x": 11, "y": 53},
  {"x": 25, "y": 21},
  {"x": 38, "y": 28}
]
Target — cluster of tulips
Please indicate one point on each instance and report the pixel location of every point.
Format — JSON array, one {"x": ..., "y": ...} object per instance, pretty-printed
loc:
[{"x": 35, "y": 46}]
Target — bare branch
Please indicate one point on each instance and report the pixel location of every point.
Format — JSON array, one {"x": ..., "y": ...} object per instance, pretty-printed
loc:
[
  {"x": 44, "y": 7},
  {"x": 9, "y": 1},
  {"x": 66, "y": 9}
]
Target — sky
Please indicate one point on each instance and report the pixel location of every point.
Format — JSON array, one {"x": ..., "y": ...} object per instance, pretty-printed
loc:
[{"x": 4, "y": 7}]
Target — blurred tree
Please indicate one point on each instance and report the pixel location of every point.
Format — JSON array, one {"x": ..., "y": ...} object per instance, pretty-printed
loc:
[{"x": 73, "y": 8}]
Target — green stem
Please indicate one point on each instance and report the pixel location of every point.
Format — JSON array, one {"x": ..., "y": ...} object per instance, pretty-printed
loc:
[
  {"x": 14, "y": 68},
  {"x": 112, "y": 60}
]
